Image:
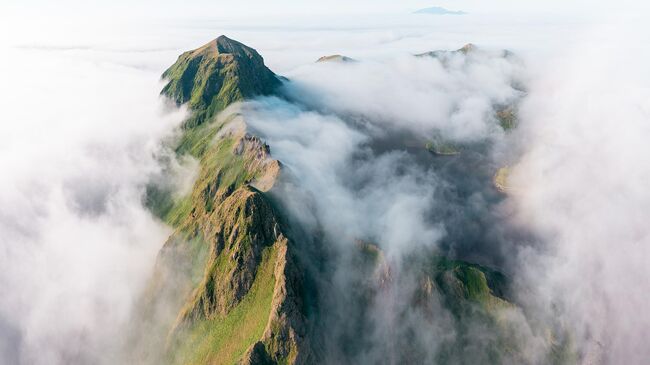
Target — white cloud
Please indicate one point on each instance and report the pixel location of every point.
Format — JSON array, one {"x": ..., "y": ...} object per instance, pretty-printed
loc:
[
  {"x": 422, "y": 94},
  {"x": 583, "y": 178},
  {"x": 79, "y": 131},
  {"x": 81, "y": 120}
]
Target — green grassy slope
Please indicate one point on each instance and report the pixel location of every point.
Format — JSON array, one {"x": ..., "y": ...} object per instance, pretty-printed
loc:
[{"x": 225, "y": 338}]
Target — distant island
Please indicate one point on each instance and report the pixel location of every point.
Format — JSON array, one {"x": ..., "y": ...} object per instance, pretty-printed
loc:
[{"x": 436, "y": 10}]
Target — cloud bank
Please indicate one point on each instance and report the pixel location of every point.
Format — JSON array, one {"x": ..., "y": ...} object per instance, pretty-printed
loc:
[
  {"x": 583, "y": 180},
  {"x": 80, "y": 136}
]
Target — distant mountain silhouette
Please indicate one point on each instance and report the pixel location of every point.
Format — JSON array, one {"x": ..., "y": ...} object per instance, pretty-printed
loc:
[{"x": 436, "y": 10}]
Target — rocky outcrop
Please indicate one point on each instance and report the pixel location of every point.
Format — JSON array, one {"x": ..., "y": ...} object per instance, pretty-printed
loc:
[
  {"x": 238, "y": 230},
  {"x": 466, "y": 50},
  {"x": 335, "y": 58},
  {"x": 285, "y": 336}
]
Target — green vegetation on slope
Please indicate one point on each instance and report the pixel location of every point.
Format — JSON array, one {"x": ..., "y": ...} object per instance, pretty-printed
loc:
[
  {"x": 464, "y": 284},
  {"x": 439, "y": 147},
  {"x": 179, "y": 268},
  {"x": 238, "y": 226},
  {"x": 242, "y": 226},
  {"x": 224, "y": 339},
  {"x": 507, "y": 117},
  {"x": 472, "y": 298},
  {"x": 474, "y": 295}
]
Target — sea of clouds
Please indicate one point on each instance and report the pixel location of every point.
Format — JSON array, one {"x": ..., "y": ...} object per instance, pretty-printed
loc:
[{"x": 82, "y": 125}]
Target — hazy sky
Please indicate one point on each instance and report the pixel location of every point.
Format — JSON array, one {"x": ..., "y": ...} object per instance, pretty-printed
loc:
[
  {"x": 218, "y": 8},
  {"x": 47, "y": 21}
]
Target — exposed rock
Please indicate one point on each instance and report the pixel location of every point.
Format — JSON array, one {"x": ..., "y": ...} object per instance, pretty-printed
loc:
[
  {"x": 501, "y": 180},
  {"x": 468, "y": 48},
  {"x": 256, "y": 355},
  {"x": 335, "y": 58},
  {"x": 239, "y": 229}
]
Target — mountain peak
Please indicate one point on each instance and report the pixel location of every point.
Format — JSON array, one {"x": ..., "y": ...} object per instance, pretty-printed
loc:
[
  {"x": 223, "y": 38},
  {"x": 215, "y": 75},
  {"x": 335, "y": 58},
  {"x": 223, "y": 45},
  {"x": 469, "y": 47}
]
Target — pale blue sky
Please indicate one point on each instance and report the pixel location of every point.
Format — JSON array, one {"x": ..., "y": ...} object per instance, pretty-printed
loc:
[{"x": 230, "y": 8}]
